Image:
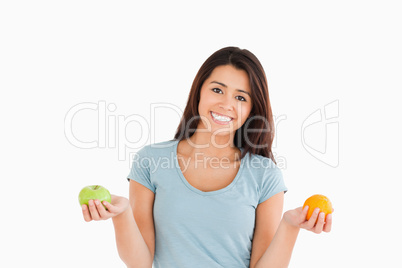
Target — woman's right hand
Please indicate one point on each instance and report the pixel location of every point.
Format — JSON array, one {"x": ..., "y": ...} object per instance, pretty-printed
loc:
[{"x": 97, "y": 212}]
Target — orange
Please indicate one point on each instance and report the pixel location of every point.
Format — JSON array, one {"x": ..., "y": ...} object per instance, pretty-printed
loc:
[{"x": 318, "y": 201}]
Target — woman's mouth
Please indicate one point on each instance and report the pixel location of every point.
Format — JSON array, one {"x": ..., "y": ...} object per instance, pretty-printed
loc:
[{"x": 220, "y": 119}]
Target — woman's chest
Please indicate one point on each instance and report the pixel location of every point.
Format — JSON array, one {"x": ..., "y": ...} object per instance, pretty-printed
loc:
[{"x": 207, "y": 175}]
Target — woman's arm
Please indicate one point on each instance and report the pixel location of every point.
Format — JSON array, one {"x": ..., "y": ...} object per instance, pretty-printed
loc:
[
  {"x": 131, "y": 246},
  {"x": 280, "y": 250},
  {"x": 268, "y": 216}
]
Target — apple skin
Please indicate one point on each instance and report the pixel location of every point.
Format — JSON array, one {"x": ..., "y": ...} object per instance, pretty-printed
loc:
[{"x": 94, "y": 192}]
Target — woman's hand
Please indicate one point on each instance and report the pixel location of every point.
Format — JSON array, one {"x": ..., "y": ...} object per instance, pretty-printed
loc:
[
  {"x": 317, "y": 222},
  {"x": 96, "y": 211}
]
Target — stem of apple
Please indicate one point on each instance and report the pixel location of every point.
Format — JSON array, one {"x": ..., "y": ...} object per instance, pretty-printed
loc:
[{"x": 96, "y": 187}]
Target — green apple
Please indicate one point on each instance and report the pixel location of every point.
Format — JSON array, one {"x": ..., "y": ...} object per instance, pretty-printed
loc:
[{"x": 94, "y": 192}]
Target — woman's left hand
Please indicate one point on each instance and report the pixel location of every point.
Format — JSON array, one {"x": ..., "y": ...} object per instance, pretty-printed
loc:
[{"x": 317, "y": 222}]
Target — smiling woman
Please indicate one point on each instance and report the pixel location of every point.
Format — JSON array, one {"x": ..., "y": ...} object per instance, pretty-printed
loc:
[
  {"x": 238, "y": 76},
  {"x": 226, "y": 106},
  {"x": 217, "y": 204}
]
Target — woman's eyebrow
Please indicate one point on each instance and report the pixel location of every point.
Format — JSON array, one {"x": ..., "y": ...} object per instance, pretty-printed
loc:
[{"x": 222, "y": 84}]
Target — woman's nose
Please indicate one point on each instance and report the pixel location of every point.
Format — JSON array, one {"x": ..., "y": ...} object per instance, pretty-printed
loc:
[{"x": 228, "y": 104}]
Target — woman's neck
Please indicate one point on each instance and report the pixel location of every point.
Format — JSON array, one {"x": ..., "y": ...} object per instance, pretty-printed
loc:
[{"x": 212, "y": 146}]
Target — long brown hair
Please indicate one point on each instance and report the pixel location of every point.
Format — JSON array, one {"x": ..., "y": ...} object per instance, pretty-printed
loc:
[{"x": 260, "y": 119}]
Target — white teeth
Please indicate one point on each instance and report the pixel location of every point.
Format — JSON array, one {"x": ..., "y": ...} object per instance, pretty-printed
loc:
[{"x": 221, "y": 118}]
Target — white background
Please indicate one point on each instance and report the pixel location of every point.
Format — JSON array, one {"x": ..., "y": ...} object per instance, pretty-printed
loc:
[{"x": 58, "y": 54}]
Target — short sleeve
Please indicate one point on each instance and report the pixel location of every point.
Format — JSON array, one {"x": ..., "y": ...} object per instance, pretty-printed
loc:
[
  {"x": 272, "y": 183},
  {"x": 140, "y": 169}
]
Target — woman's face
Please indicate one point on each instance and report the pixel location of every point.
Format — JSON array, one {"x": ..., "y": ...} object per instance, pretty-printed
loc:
[{"x": 225, "y": 100}]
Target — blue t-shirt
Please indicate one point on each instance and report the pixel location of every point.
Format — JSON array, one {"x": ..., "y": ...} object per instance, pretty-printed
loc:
[{"x": 194, "y": 228}]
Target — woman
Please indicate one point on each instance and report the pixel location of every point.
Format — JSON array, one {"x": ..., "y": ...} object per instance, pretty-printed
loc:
[{"x": 220, "y": 202}]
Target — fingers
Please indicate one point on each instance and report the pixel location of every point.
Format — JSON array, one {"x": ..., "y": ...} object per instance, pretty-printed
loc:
[
  {"x": 102, "y": 211},
  {"x": 311, "y": 222},
  {"x": 328, "y": 223},
  {"x": 96, "y": 211},
  {"x": 85, "y": 212},
  {"x": 320, "y": 223},
  {"x": 93, "y": 210},
  {"x": 303, "y": 215},
  {"x": 112, "y": 209}
]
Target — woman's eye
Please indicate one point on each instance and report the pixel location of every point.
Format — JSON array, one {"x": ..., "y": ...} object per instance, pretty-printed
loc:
[
  {"x": 216, "y": 89},
  {"x": 242, "y": 98}
]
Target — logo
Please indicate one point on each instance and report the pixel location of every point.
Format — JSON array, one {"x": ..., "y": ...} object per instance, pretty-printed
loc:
[{"x": 320, "y": 134}]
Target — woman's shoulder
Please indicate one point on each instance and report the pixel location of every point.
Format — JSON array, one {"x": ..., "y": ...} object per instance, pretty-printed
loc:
[
  {"x": 259, "y": 161},
  {"x": 263, "y": 171},
  {"x": 259, "y": 166}
]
